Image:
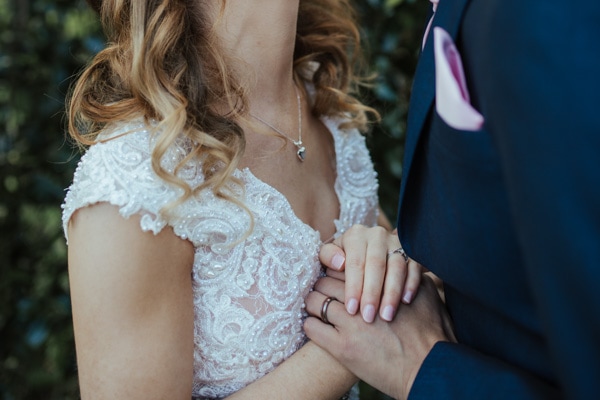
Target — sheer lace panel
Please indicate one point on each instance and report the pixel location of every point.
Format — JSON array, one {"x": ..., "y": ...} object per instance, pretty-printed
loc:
[{"x": 248, "y": 289}]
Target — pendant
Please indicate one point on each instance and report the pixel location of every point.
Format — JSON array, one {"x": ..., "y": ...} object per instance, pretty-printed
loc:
[{"x": 301, "y": 153}]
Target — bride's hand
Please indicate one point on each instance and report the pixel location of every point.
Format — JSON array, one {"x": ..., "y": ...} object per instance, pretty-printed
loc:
[{"x": 377, "y": 274}]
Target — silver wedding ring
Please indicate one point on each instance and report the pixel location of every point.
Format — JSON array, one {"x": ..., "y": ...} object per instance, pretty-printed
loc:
[
  {"x": 400, "y": 251},
  {"x": 324, "y": 308}
]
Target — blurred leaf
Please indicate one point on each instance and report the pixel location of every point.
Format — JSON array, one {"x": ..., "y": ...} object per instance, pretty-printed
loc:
[{"x": 42, "y": 44}]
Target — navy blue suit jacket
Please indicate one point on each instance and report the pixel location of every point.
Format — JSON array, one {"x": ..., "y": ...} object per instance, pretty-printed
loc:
[{"x": 509, "y": 216}]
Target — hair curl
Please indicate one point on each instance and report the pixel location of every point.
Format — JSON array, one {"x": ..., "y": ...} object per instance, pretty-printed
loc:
[{"x": 162, "y": 63}]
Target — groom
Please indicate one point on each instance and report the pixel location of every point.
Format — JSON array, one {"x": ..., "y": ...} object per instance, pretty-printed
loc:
[{"x": 501, "y": 199}]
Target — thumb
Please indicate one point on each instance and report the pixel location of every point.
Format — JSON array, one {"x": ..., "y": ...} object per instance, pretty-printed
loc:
[{"x": 332, "y": 256}]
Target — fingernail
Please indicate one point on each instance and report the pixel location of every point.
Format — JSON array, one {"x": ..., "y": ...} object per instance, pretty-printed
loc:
[
  {"x": 388, "y": 313},
  {"x": 337, "y": 261},
  {"x": 369, "y": 313},
  {"x": 352, "y": 306},
  {"x": 407, "y": 297}
]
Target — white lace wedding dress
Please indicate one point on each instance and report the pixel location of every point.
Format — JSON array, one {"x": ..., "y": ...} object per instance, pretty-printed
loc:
[{"x": 249, "y": 296}]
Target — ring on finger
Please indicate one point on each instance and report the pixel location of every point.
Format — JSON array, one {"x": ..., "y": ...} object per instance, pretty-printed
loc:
[
  {"x": 400, "y": 251},
  {"x": 324, "y": 308}
]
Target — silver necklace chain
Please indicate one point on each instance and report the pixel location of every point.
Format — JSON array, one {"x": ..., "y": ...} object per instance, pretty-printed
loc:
[{"x": 301, "y": 150}]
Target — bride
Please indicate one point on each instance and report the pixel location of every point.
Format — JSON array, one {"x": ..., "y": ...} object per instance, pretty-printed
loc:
[{"x": 224, "y": 149}]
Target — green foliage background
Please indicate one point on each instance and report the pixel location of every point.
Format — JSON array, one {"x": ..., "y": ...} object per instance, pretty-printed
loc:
[{"x": 43, "y": 43}]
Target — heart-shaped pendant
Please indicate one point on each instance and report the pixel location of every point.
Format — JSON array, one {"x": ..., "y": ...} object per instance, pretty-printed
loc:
[{"x": 301, "y": 153}]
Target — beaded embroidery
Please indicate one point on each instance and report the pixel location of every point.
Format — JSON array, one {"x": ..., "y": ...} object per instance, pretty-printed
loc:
[{"x": 248, "y": 298}]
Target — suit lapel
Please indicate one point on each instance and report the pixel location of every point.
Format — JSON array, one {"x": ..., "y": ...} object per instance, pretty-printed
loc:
[{"x": 448, "y": 16}]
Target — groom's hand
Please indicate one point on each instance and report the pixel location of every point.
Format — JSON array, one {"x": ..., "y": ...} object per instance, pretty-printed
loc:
[{"x": 386, "y": 355}]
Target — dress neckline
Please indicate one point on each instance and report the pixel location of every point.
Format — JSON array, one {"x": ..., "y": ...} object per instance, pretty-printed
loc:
[{"x": 247, "y": 172}]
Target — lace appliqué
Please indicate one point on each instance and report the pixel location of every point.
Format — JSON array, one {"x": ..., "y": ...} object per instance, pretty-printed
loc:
[{"x": 248, "y": 290}]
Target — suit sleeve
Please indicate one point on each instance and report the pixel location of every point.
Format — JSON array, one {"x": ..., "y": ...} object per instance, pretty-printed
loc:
[
  {"x": 454, "y": 371},
  {"x": 534, "y": 68}
]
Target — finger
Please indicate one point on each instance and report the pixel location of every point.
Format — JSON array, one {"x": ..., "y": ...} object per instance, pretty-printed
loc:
[
  {"x": 339, "y": 275},
  {"x": 330, "y": 287},
  {"x": 384, "y": 276},
  {"x": 324, "y": 335},
  {"x": 439, "y": 284},
  {"x": 355, "y": 247},
  {"x": 413, "y": 280},
  {"x": 332, "y": 256},
  {"x": 393, "y": 286},
  {"x": 315, "y": 302},
  {"x": 375, "y": 274}
]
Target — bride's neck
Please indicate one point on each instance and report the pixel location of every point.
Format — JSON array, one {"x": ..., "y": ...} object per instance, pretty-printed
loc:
[{"x": 261, "y": 35}]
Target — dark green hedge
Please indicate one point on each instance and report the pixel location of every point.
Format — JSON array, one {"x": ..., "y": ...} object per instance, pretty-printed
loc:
[{"x": 43, "y": 43}]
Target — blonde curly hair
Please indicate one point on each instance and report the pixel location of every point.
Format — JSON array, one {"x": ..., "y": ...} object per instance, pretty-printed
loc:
[{"x": 163, "y": 63}]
